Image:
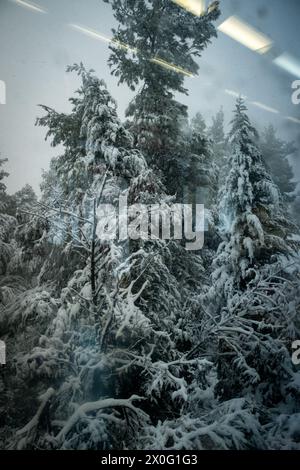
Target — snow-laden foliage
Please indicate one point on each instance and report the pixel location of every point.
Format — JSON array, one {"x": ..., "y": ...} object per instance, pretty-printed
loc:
[
  {"x": 255, "y": 228},
  {"x": 252, "y": 315},
  {"x": 140, "y": 344},
  {"x": 275, "y": 153},
  {"x": 230, "y": 425},
  {"x": 120, "y": 314},
  {"x": 7, "y": 224}
]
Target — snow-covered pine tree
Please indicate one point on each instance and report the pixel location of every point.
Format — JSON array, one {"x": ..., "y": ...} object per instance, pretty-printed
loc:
[
  {"x": 251, "y": 209},
  {"x": 275, "y": 153},
  {"x": 25, "y": 198},
  {"x": 10, "y": 287},
  {"x": 200, "y": 179},
  {"x": 296, "y": 209},
  {"x": 31, "y": 246},
  {"x": 156, "y": 43},
  {"x": 252, "y": 287},
  {"x": 202, "y": 176},
  {"x": 119, "y": 319},
  {"x": 3, "y": 174},
  {"x": 11, "y": 281},
  {"x": 157, "y": 51},
  {"x": 7, "y": 223},
  {"x": 217, "y": 136}
]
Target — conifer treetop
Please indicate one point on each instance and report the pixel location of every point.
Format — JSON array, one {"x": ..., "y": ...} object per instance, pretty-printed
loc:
[{"x": 157, "y": 29}]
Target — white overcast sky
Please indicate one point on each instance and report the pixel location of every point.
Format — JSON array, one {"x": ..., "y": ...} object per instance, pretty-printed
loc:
[{"x": 35, "y": 49}]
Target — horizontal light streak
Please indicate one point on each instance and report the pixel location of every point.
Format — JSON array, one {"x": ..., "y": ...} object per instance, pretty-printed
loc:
[
  {"x": 264, "y": 107},
  {"x": 292, "y": 119},
  {"x": 172, "y": 67},
  {"x": 30, "y": 5},
  {"x": 123, "y": 46},
  {"x": 155, "y": 60},
  {"x": 246, "y": 35},
  {"x": 235, "y": 94},
  {"x": 289, "y": 64},
  {"x": 101, "y": 37},
  {"x": 91, "y": 33}
]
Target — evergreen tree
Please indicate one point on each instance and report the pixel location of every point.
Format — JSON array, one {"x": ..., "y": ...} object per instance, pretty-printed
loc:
[
  {"x": 217, "y": 136},
  {"x": 139, "y": 344},
  {"x": 275, "y": 153},
  {"x": 199, "y": 126},
  {"x": 160, "y": 43},
  {"x": 7, "y": 223},
  {"x": 249, "y": 293},
  {"x": 26, "y": 198},
  {"x": 251, "y": 209},
  {"x": 7, "y": 205},
  {"x": 3, "y": 174},
  {"x": 296, "y": 209},
  {"x": 120, "y": 314},
  {"x": 202, "y": 176}
]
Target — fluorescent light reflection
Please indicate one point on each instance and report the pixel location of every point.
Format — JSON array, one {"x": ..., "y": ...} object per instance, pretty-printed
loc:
[
  {"x": 289, "y": 64},
  {"x": 172, "y": 67},
  {"x": 264, "y": 107},
  {"x": 292, "y": 119},
  {"x": 235, "y": 94},
  {"x": 91, "y": 33},
  {"x": 95, "y": 35},
  {"x": 246, "y": 35},
  {"x": 197, "y": 7},
  {"x": 31, "y": 6}
]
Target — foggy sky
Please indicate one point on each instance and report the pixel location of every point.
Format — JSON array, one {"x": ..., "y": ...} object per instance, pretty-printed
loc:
[{"x": 35, "y": 49}]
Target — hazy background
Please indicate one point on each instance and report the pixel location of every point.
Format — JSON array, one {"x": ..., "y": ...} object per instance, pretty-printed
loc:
[{"x": 35, "y": 49}]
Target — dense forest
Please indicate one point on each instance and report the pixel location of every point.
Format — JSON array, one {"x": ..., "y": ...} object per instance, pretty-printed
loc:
[{"x": 142, "y": 344}]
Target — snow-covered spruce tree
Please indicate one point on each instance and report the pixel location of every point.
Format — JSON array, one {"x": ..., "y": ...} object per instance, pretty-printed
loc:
[
  {"x": 7, "y": 223},
  {"x": 219, "y": 169},
  {"x": 160, "y": 43},
  {"x": 25, "y": 310},
  {"x": 151, "y": 36},
  {"x": 275, "y": 153},
  {"x": 252, "y": 210},
  {"x": 202, "y": 170},
  {"x": 3, "y": 174},
  {"x": 121, "y": 315},
  {"x": 252, "y": 315},
  {"x": 25, "y": 198},
  {"x": 12, "y": 280},
  {"x": 295, "y": 212},
  {"x": 200, "y": 180},
  {"x": 217, "y": 136},
  {"x": 31, "y": 245},
  {"x": 6, "y": 201},
  {"x": 9, "y": 287}
]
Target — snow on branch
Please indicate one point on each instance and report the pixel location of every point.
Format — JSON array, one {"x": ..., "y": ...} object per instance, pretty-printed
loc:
[{"x": 91, "y": 407}]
